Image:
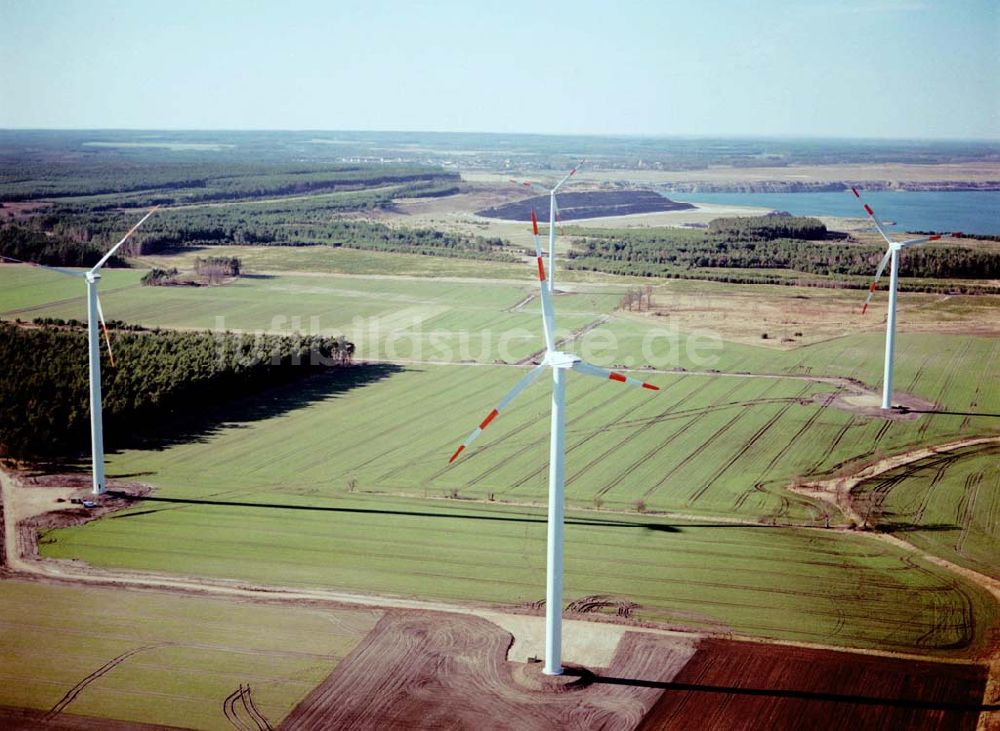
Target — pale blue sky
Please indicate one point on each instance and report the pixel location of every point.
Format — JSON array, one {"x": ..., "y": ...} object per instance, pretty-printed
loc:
[{"x": 846, "y": 68}]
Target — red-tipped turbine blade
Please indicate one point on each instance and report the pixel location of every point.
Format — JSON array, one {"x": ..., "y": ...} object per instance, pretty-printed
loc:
[
  {"x": 534, "y": 222},
  {"x": 104, "y": 327},
  {"x": 525, "y": 381},
  {"x": 591, "y": 370},
  {"x": 872, "y": 215}
]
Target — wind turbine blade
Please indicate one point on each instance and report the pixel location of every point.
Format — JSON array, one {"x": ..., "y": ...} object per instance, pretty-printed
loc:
[
  {"x": 548, "y": 316},
  {"x": 58, "y": 270},
  {"x": 878, "y": 275},
  {"x": 568, "y": 175},
  {"x": 872, "y": 216},
  {"x": 104, "y": 327},
  {"x": 530, "y": 186},
  {"x": 124, "y": 239},
  {"x": 525, "y": 381},
  {"x": 924, "y": 239},
  {"x": 582, "y": 366}
]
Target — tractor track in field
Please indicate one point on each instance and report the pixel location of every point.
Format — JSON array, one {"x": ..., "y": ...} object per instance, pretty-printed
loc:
[
  {"x": 650, "y": 454},
  {"x": 399, "y": 425},
  {"x": 749, "y": 444},
  {"x": 570, "y": 479},
  {"x": 804, "y": 429},
  {"x": 696, "y": 495},
  {"x": 603, "y": 455},
  {"x": 828, "y": 451},
  {"x": 519, "y": 307},
  {"x": 72, "y": 694},
  {"x": 966, "y": 509},
  {"x": 974, "y": 404},
  {"x": 243, "y": 695},
  {"x": 570, "y": 424},
  {"x": 946, "y": 387},
  {"x": 837, "y": 492},
  {"x": 566, "y": 340},
  {"x": 919, "y": 372},
  {"x": 939, "y": 473},
  {"x": 65, "y": 301},
  {"x": 695, "y": 416},
  {"x": 710, "y": 409},
  {"x": 669, "y": 414},
  {"x": 880, "y": 435}
]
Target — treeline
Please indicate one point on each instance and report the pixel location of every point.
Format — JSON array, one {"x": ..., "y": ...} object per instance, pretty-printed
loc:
[
  {"x": 24, "y": 244},
  {"x": 289, "y": 223},
  {"x": 44, "y": 401},
  {"x": 146, "y": 183},
  {"x": 217, "y": 268},
  {"x": 756, "y": 276},
  {"x": 221, "y": 203},
  {"x": 760, "y": 245},
  {"x": 768, "y": 228}
]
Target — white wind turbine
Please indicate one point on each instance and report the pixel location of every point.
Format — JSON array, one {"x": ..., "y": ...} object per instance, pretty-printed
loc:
[
  {"x": 891, "y": 255},
  {"x": 553, "y": 213},
  {"x": 94, "y": 312},
  {"x": 559, "y": 362}
]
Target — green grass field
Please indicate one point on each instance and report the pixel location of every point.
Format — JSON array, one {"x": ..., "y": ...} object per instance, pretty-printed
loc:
[
  {"x": 709, "y": 445},
  {"x": 189, "y": 652},
  {"x": 948, "y": 504},
  {"x": 387, "y": 318},
  {"x": 807, "y": 585}
]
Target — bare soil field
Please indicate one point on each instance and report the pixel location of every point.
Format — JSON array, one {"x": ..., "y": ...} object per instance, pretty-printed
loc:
[
  {"x": 735, "y": 685},
  {"x": 587, "y": 204},
  {"x": 26, "y": 719},
  {"x": 424, "y": 670},
  {"x": 796, "y": 316},
  {"x": 431, "y": 670}
]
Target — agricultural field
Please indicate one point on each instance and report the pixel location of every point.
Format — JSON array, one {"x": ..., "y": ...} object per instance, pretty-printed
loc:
[
  {"x": 947, "y": 504},
  {"x": 154, "y": 657},
  {"x": 687, "y": 507},
  {"x": 809, "y": 585}
]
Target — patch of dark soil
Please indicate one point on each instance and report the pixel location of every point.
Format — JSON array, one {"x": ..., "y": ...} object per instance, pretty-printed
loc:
[{"x": 587, "y": 204}]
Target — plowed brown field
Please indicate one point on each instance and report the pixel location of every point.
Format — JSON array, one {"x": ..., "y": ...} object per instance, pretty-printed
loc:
[
  {"x": 738, "y": 685},
  {"x": 431, "y": 670},
  {"x": 421, "y": 670}
]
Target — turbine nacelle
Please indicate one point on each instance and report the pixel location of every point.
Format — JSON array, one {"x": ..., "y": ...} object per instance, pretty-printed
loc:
[{"x": 561, "y": 360}]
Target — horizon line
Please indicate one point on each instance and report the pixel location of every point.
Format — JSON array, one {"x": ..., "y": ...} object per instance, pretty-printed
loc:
[{"x": 633, "y": 135}]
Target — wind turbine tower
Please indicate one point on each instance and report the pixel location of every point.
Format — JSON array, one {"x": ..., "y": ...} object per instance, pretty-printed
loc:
[
  {"x": 892, "y": 259},
  {"x": 95, "y": 313},
  {"x": 553, "y": 214},
  {"x": 559, "y": 363}
]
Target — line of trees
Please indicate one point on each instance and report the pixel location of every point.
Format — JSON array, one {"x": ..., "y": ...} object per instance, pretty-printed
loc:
[
  {"x": 24, "y": 244},
  {"x": 769, "y": 242},
  {"x": 768, "y": 228},
  {"x": 217, "y": 268},
  {"x": 144, "y": 183},
  {"x": 44, "y": 406}
]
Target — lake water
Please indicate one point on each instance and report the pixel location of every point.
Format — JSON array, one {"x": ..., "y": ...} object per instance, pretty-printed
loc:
[{"x": 974, "y": 212}]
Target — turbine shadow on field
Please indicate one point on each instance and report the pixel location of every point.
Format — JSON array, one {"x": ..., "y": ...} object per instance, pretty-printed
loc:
[
  {"x": 275, "y": 401},
  {"x": 509, "y": 518},
  {"x": 943, "y": 412},
  {"x": 891, "y": 527},
  {"x": 808, "y": 695}
]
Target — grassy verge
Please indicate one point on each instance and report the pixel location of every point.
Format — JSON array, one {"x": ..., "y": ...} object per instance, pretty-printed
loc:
[{"x": 189, "y": 652}]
